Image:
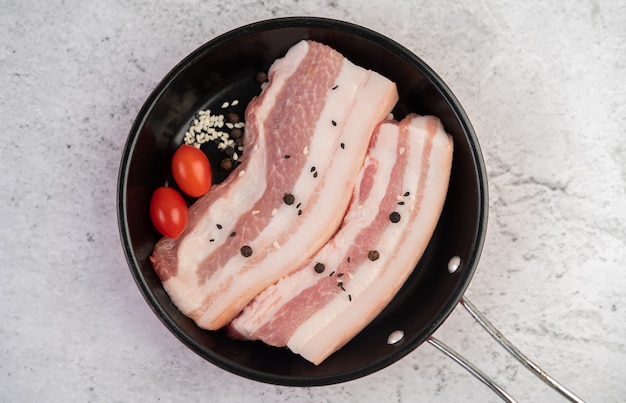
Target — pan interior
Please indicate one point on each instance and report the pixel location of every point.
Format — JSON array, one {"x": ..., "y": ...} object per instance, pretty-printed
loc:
[{"x": 224, "y": 69}]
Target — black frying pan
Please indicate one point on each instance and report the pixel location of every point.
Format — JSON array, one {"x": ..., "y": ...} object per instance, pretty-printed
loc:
[{"x": 225, "y": 69}]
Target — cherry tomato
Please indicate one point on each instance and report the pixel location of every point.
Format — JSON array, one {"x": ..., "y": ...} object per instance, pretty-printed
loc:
[
  {"x": 168, "y": 212},
  {"x": 191, "y": 170}
]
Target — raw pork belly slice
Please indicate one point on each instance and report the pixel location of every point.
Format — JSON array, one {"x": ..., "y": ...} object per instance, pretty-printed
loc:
[
  {"x": 307, "y": 134},
  {"x": 395, "y": 207}
]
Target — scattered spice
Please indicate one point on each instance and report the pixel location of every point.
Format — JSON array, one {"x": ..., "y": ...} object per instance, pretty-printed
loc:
[
  {"x": 298, "y": 205},
  {"x": 348, "y": 259},
  {"x": 319, "y": 267},
  {"x": 299, "y": 212},
  {"x": 289, "y": 199},
  {"x": 340, "y": 285},
  {"x": 335, "y": 87},
  {"x": 406, "y": 194},
  {"x": 394, "y": 217},
  {"x": 287, "y": 156},
  {"x": 315, "y": 174},
  {"x": 333, "y": 122},
  {"x": 373, "y": 255},
  {"x": 226, "y": 164},
  {"x": 261, "y": 77},
  {"x": 343, "y": 146},
  {"x": 219, "y": 226},
  {"x": 232, "y": 118},
  {"x": 207, "y": 127},
  {"x": 349, "y": 297},
  {"x": 236, "y": 133},
  {"x": 232, "y": 234},
  {"x": 331, "y": 274},
  {"x": 401, "y": 203},
  {"x": 312, "y": 169},
  {"x": 211, "y": 240},
  {"x": 246, "y": 251},
  {"x": 339, "y": 274}
]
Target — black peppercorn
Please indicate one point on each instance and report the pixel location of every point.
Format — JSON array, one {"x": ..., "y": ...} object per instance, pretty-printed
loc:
[
  {"x": 373, "y": 255},
  {"x": 246, "y": 251}
]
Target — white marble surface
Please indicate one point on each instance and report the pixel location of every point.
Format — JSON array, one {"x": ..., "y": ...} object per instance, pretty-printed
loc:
[{"x": 544, "y": 85}]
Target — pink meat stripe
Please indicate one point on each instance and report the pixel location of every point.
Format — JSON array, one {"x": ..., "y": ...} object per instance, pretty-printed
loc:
[
  {"x": 306, "y": 137},
  {"x": 396, "y": 204}
]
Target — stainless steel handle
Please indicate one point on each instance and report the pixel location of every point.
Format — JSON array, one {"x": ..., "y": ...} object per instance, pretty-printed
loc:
[
  {"x": 508, "y": 346},
  {"x": 462, "y": 361}
]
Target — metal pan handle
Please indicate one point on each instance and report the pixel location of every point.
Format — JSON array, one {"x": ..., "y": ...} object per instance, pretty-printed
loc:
[{"x": 508, "y": 346}]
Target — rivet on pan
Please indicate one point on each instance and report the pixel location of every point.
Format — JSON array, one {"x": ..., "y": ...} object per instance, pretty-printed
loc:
[
  {"x": 454, "y": 264},
  {"x": 395, "y": 337}
]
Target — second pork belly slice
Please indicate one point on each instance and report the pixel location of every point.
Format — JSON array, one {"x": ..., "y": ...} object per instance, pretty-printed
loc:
[
  {"x": 306, "y": 137},
  {"x": 395, "y": 207}
]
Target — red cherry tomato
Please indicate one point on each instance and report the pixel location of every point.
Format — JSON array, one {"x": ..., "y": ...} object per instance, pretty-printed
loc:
[
  {"x": 191, "y": 170},
  {"x": 168, "y": 212}
]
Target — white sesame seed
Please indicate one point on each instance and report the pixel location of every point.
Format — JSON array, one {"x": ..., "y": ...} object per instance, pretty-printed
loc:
[
  {"x": 235, "y": 157},
  {"x": 230, "y": 125},
  {"x": 360, "y": 206},
  {"x": 274, "y": 211},
  {"x": 399, "y": 197},
  {"x": 255, "y": 212},
  {"x": 235, "y": 102},
  {"x": 240, "y": 148},
  {"x": 256, "y": 147},
  {"x": 225, "y": 105},
  {"x": 306, "y": 150},
  {"x": 276, "y": 245},
  {"x": 242, "y": 173},
  {"x": 401, "y": 150},
  {"x": 238, "y": 125}
]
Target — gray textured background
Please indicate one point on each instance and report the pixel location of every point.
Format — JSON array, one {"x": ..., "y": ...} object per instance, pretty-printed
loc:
[{"x": 544, "y": 85}]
